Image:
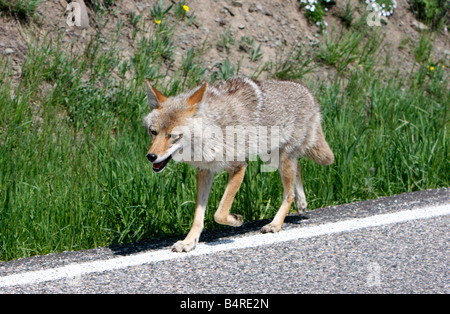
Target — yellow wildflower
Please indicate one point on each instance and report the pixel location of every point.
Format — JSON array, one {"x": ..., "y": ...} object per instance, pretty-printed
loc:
[
  {"x": 186, "y": 8},
  {"x": 443, "y": 66},
  {"x": 431, "y": 68},
  {"x": 157, "y": 21}
]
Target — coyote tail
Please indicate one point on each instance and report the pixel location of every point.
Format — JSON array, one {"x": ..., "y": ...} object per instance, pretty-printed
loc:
[{"x": 320, "y": 152}]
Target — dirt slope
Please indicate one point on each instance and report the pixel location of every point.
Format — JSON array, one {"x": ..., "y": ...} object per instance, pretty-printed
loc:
[{"x": 275, "y": 25}]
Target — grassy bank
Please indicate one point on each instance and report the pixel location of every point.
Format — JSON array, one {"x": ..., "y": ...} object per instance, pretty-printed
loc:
[{"x": 73, "y": 172}]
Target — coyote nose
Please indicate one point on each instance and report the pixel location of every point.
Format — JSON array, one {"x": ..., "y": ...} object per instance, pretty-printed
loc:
[{"x": 151, "y": 157}]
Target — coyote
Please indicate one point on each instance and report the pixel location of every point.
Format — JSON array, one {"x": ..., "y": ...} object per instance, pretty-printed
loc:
[{"x": 193, "y": 127}]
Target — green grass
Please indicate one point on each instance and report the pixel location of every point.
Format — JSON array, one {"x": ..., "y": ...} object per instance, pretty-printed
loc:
[
  {"x": 355, "y": 48},
  {"x": 73, "y": 172},
  {"x": 21, "y": 8},
  {"x": 433, "y": 12}
]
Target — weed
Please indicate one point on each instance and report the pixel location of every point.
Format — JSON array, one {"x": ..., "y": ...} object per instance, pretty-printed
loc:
[
  {"x": 23, "y": 9},
  {"x": 341, "y": 50},
  {"x": 158, "y": 12},
  {"x": 225, "y": 71},
  {"x": 248, "y": 45},
  {"x": 432, "y": 12},
  {"x": 255, "y": 54},
  {"x": 192, "y": 68},
  {"x": 346, "y": 15},
  {"x": 226, "y": 41},
  {"x": 315, "y": 9},
  {"x": 100, "y": 5},
  {"x": 291, "y": 66},
  {"x": 423, "y": 49}
]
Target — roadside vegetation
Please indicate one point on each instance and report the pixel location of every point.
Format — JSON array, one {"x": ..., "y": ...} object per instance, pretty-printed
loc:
[
  {"x": 22, "y": 9},
  {"x": 73, "y": 172}
]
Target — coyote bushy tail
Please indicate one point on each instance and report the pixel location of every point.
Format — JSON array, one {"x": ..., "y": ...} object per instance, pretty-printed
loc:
[{"x": 320, "y": 152}]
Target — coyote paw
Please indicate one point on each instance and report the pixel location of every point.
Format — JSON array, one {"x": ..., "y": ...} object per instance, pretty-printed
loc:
[
  {"x": 300, "y": 203},
  {"x": 270, "y": 228},
  {"x": 237, "y": 221},
  {"x": 301, "y": 207},
  {"x": 230, "y": 220},
  {"x": 182, "y": 246}
]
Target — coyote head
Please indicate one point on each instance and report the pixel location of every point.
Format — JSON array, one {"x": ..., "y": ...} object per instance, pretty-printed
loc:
[{"x": 165, "y": 123}]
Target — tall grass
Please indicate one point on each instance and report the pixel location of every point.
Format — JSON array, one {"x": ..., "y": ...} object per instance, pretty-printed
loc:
[
  {"x": 73, "y": 172},
  {"x": 23, "y": 9}
]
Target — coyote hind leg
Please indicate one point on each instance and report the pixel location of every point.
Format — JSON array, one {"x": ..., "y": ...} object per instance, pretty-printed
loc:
[
  {"x": 288, "y": 169},
  {"x": 300, "y": 198}
]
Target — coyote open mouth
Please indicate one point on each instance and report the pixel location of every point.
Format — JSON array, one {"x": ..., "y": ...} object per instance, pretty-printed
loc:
[{"x": 159, "y": 166}]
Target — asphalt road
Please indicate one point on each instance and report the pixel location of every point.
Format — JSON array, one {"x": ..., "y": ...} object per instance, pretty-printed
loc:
[{"x": 397, "y": 244}]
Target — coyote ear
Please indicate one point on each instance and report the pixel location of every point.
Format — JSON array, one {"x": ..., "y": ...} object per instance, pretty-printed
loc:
[
  {"x": 155, "y": 98},
  {"x": 197, "y": 97}
]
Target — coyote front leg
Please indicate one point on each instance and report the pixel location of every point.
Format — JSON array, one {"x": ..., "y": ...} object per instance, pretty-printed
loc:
[{"x": 204, "y": 182}]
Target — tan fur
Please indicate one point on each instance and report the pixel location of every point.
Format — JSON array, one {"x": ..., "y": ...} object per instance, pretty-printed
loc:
[
  {"x": 321, "y": 151},
  {"x": 248, "y": 104},
  {"x": 288, "y": 169},
  {"x": 160, "y": 144},
  {"x": 197, "y": 96},
  {"x": 222, "y": 215},
  {"x": 300, "y": 198},
  {"x": 159, "y": 96},
  {"x": 204, "y": 182}
]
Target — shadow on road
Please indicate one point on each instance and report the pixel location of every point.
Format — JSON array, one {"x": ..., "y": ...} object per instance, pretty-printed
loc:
[{"x": 209, "y": 237}]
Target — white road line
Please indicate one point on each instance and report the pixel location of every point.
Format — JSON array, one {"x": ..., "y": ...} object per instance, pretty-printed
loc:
[{"x": 74, "y": 270}]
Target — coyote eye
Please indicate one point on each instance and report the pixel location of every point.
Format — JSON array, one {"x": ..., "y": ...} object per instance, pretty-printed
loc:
[
  {"x": 153, "y": 132},
  {"x": 175, "y": 137}
]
